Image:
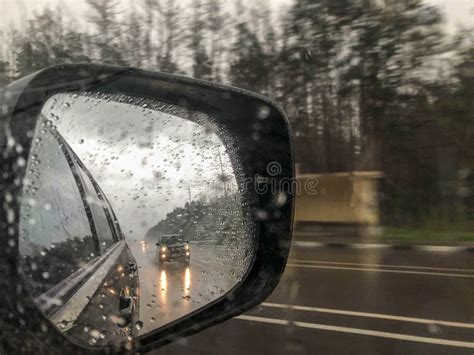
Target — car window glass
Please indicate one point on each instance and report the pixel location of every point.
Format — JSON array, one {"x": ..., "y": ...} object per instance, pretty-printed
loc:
[
  {"x": 55, "y": 234},
  {"x": 100, "y": 214},
  {"x": 172, "y": 239}
]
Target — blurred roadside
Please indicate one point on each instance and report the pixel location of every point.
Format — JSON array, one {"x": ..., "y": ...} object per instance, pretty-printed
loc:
[{"x": 350, "y": 208}]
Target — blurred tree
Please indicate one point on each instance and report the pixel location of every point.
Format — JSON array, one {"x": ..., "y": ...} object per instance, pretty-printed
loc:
[
  {"x": 201, "y": 65},
  {"x": 4, "y": 73},
  {"x": 454, "y": 115},
  {"x": 134, "y": 52},
  {"x": 170, "y": 24},
  {"x": 107, "y": 38},
  {"x": 454, "y": 105},
  {"x": 149, "y": 8},
  {"x": 218, "y": 32},
  {"x": 46, "y": 41},
  {"x": 395, "y": 40},
  {"x": 250, "y": 65},
  {"x": 311, "y": 54},
  {"x": 248, "y": 69}
]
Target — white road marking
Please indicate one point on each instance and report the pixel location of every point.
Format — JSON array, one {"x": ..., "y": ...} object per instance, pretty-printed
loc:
[
  {"x": 427, "y": 340},
  {"x": 440, "y": 248},
  {"x": 370, "y": 246},
  {"x": 380, "y": 270},
  {"x": 381, "y": 265},
  {"x": 429, "y": 248},
  {"x": 264, "y": 320},
  {"x": 307, "y": 244},
  {"x": 371, "y": 315}
]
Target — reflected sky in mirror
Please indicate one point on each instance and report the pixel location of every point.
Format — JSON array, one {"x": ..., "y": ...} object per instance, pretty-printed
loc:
[{"x": 152, "y": 160}]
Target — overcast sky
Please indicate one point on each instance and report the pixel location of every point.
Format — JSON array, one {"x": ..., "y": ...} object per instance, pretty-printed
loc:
[
  {"x": 147, "y": 162},
  {"x": 458, "y": 12}
]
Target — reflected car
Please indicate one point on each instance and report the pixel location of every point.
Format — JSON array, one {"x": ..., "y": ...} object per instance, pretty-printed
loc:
[{"x": 172, "y": 248}]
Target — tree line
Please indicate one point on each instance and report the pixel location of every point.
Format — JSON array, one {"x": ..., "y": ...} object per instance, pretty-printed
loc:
[{"x": 367, "y": 84}]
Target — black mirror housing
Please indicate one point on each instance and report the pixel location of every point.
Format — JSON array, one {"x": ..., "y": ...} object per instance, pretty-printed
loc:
[{"x": 243, "y": 114}]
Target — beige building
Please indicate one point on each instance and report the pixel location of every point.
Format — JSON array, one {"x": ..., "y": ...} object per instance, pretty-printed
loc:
[{"x": 339, "y": 198}]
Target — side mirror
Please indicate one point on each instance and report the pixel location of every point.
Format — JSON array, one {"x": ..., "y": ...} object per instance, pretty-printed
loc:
[{"x": 97, "y": 161}]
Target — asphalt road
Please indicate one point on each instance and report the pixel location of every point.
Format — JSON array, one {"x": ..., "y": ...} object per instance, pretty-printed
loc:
[
  {"x": 358, "y": 301},
  {"x": 172, "y": 291}
]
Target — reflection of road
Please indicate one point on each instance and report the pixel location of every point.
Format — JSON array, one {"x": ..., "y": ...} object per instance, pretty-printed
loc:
[{"x": 174, "y": 291}]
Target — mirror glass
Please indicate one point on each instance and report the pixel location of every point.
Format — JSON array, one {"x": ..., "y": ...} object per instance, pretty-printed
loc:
[{"x": 131, "y": 216}]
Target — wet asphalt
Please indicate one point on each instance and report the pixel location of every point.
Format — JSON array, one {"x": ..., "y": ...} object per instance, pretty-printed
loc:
[{"x": 357, "y": 301}]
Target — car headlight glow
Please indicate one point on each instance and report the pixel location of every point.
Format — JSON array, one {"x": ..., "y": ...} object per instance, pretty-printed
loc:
[{"x": 163, "y": 249}]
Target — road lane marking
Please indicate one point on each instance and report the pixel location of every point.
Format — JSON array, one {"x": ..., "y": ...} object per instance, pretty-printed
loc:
[
  {"x": 308, "y": 244},
  {"x": 428, "y": 248},
  {"x": 380, "y": 270},
  {"x": 374, "y": 333},
  {"x": 381, "y": 265},
  {"x": 305, "y": 244},
  {"x": 370, "y": 315},
  {"x": 264, "y": 320},
  {"x": 440, "y": 248}
]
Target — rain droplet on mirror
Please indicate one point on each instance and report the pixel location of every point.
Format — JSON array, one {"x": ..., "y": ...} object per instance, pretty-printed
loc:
[{"x": 138, "y": 325}]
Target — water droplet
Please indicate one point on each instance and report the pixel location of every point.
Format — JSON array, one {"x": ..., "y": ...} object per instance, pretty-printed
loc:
[
  {"x": 94, "y": 333},
  {"x": 263, "y": 112},
  {"x": 63, "y": 324},
  {"x": 21, "y": 162},
  {"x": 138, "y": 325},
  {"x": 262, "y": 215},
  {"x": 44, "y": 327},
  {"x": 118, "y": 320},
  {"x": 433, "y": 328},
  {"x": 280, "y": 199}
]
